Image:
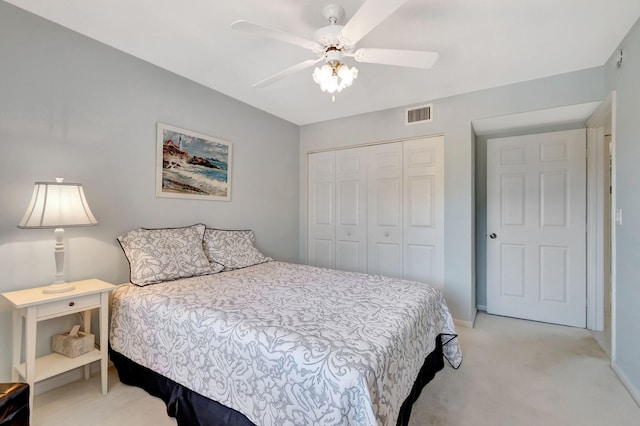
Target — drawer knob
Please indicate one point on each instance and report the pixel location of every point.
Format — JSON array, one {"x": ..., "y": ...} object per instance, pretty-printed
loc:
[{"x": 72, "y": 303}]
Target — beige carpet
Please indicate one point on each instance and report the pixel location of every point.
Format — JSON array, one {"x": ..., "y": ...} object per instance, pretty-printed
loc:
[
  {"x": 518, "y": 372},
  {"x": 514, "y": 373}
]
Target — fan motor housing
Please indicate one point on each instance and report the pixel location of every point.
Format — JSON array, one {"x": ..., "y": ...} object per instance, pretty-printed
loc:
[
  {"x": 333, "y": 54},
  {"x": 329, "y": 35}
]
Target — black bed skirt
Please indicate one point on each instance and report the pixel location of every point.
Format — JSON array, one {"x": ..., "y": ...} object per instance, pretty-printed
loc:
[{"x": 192, "y": 409}]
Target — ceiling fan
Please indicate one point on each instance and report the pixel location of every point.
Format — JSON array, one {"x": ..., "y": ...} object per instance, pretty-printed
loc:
[{"x": 334, "y": 42}]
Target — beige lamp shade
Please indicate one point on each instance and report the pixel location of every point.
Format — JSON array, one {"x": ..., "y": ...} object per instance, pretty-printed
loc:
[{"x": 57, "y": 205}]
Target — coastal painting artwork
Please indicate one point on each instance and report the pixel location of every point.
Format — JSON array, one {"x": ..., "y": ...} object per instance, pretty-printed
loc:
[{"x": 192, "y": 165}]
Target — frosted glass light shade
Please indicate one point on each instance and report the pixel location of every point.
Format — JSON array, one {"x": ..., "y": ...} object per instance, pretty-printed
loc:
[
  {"x": 334, "y": 76},
  {"x": 57, "y": 205}
]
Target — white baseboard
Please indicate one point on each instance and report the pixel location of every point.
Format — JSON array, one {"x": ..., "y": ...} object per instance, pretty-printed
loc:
[
  {"x": 635, "y": 393},
  {"x": 482, "y": 308},
  {"x": 467, "y": 324},
  {"x": 66, "y": 378}
]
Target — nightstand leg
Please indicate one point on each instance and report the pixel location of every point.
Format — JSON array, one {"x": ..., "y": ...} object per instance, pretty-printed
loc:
[
  {"x": 17, "y": 344},
  {"x": 86, "y": 325},
  {"x": 30, "y": 351},
  {"x": 104, "y": 333}
]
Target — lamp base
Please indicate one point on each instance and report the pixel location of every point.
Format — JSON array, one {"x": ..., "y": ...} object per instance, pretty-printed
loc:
[{"x": 58, "y": 288}]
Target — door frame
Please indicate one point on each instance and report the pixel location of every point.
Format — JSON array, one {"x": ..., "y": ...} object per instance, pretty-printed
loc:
[{"x": 605, "y": 114}]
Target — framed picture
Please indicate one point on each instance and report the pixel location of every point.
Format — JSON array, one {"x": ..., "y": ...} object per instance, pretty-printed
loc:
[{"x": 192, "y": 165}]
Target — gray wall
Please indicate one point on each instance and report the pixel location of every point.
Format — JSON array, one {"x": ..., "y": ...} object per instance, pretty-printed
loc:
[
  {"x": 74, "y": 108},
  {"x": 452, "y": 117},
  {"x": 626, "y": 82}
]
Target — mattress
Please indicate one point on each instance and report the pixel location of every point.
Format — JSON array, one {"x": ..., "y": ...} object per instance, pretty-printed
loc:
[{"x": 287, "y": 344}]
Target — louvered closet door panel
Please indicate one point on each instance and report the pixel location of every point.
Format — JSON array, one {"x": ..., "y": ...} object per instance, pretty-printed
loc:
[
  {"x": 423, "y": 239},
  {"x": 321, "y": 213},
  {"x": 384, "y": 210},
  {"x": 351, "y": 210}
]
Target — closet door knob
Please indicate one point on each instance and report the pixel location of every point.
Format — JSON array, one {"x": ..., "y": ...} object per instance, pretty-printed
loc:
[
  {"x": 493, "y": 236},
  {"x": 348, "y": 233},
  {"x": 386, "y": 234}
]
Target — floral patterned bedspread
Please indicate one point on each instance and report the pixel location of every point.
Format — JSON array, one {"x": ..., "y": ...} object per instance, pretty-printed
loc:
[{"x": 287, "y": 344}]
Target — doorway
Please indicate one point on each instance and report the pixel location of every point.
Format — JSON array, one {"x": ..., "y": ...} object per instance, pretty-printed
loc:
[{"x": 595, "y": 115}]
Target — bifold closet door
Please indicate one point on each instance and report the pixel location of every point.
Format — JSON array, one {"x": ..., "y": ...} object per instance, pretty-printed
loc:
[
  {"x": 384, "y": 210},
  {"x": 379, "y": 209},
  {"x": 351, "y": 210},
  {"x": 423, "y": 205},
  {"x": 321, "y": 214}
]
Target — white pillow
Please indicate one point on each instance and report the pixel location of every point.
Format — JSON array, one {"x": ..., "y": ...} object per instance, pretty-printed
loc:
[
  {"x": 233, "y": 249},
  {"x": 157, "y": 255}
]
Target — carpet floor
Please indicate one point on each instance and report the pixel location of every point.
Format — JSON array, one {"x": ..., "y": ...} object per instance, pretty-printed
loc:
[
  {"x": 514, "y": 373},
  {"x": 517, "y": 372}
]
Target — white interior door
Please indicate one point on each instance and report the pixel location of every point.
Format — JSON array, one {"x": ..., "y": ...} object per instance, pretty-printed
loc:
[
  {"x": 536, "y": 243},
  {"x": 351, "y": 210},
  {"x": 384, "y": 212},
  {"x": 321, "y": 220},
  {"x": 423, "y": 241}
]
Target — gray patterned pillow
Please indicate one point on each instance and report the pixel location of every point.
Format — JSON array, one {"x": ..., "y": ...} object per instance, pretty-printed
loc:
[
  {"x": 233, "y": 249},
  {"x": 157, "y": 255}
]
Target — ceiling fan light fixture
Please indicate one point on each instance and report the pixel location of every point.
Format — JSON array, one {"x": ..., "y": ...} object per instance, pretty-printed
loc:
[
  {"x": 334, "y": 42},
  {"x": 334, "y": 76}
]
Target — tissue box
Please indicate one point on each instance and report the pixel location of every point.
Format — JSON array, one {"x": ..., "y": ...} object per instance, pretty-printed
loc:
[{"x": 73, "y": 346}]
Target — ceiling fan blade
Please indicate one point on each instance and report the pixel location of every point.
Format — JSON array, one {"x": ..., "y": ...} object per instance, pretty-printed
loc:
[
  {"x": 370, "y": 14},
  {"x": 284, "y": 73},
  {"x": 401, "y": 58},
  {"x": 276, "y": 34}
]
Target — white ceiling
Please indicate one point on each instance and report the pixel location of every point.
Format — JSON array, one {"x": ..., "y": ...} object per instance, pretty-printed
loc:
[{"x": 482, "y": 44}]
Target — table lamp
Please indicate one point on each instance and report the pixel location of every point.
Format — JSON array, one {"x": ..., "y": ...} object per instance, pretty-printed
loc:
[{"x": 58, "y": 205}]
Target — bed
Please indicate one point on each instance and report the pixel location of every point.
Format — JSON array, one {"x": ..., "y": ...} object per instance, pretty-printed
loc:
[{"x": 277, "y": 343}]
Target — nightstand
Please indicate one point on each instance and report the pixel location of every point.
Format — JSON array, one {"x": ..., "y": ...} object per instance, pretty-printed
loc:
[{"x": 33, "y": 305}]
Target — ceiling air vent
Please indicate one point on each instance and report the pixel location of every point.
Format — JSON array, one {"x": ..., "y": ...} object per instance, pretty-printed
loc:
[{"x": 421, "y": 114}]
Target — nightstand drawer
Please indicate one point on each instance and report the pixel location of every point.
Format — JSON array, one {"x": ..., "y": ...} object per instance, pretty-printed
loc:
[{"x": 74, "y": 304}]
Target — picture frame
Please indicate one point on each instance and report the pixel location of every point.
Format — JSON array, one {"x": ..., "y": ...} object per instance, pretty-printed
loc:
[{"x": 192, "y": 165}]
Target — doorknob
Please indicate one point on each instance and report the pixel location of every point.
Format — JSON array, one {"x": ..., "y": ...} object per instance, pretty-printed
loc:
[{"x": 493, "y": 236}]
